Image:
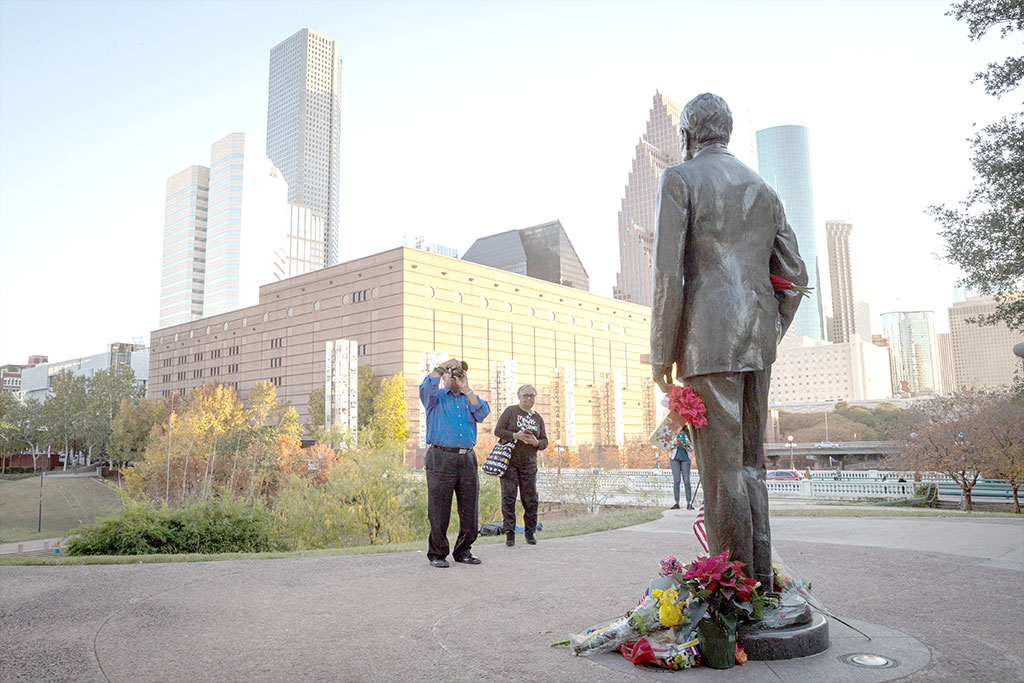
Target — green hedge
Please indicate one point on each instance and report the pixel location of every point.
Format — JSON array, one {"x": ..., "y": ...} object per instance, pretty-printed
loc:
[{"x": 217, "y": 525}]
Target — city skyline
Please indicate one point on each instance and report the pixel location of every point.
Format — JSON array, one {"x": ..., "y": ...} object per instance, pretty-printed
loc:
[{"x": 433, "y": 85}]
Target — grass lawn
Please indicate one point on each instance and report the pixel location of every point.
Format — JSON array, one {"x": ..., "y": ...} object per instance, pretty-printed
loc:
[
  {"x": 556, "y": 528},
  {"x": 67, "y": 503}
]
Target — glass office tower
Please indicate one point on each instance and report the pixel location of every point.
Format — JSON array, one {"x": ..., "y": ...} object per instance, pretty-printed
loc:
[
  {"x": 784, "y": 160},
  {"x": 304, "y": 126},
  {"x": 914, "y": 351}
]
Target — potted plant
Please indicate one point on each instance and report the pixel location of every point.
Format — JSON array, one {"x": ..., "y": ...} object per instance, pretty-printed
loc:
[{"x": 728, "y": 594}]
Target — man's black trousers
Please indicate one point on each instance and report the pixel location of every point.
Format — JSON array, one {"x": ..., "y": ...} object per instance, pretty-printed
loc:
[
  {"x": 521, "y": 474},
  {"x": 449, "y": 473}
]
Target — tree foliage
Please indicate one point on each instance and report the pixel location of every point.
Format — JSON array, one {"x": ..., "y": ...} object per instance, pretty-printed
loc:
[
  {"x": 107, "y": 392},
  {"x": 985, "y": 232},
  {"x": 65, "y": 412},
  {"x": 389, "y": 422},
  {"x": 368, "y": 385},
  {"x": 214, "y": 442},
  {"x": 368, "y": 499},
  {"x": 966, "y": 437}
]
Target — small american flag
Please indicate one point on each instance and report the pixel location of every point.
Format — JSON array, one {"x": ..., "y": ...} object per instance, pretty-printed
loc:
[{"x": 698, "y": 529}]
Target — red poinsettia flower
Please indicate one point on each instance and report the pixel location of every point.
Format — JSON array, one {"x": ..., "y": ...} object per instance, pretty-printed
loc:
[{"x": 687, "y": 404}]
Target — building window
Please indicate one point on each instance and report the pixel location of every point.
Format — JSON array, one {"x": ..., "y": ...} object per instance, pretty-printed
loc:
[
  {"x": 277, "y": 343},
  {"x": 182, "y": 360},
  {"x": 214, "y": 354},
  {"x": 232, "y": 368},
  {"x": 275, "y": 362},
  {"x": 276, "y": 381},
  {"x": 197, "y": 374},
  {"x": 167, "y": 362},
  {"x": 197, "y": 356},
  {"x": 360, "y": 296},
  {"x": 182, "y": 375},
  {"x": 232, "y": 350}
]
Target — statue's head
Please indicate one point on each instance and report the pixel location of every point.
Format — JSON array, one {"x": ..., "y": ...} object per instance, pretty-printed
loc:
[{"x": 706, "y": 120}]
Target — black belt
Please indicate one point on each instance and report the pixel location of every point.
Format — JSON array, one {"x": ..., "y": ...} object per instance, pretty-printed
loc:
[{"x": 460, "y": 451}]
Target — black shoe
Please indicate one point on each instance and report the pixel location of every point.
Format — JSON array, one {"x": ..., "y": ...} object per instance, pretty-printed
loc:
[
  {"x": 674, "y": 507},
  {"x": 510, "y": 538},
  {"x": 530, "y": 539},
  {"x": 468, "y": 559},
  {"x": 689, "y": 507},
  {"x": 439, "y": 563}
]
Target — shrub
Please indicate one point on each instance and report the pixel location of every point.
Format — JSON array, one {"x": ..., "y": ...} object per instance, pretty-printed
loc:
[{"x": 216, "y": 525}]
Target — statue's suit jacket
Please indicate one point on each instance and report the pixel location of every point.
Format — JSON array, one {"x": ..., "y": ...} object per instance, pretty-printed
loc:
[{"x": 721, "y": 231}]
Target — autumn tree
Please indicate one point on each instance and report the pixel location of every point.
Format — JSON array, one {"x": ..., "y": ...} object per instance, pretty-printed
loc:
[
  {"x": 27, "y": 420},
  {"x": 948, "y": 435},
  {"x": 106, "y": 392},
  {"x": 368, "y": 385},
  {"x": 985, "y": 233},
  {"x": 317, "y": 406},
  {"x": 64, "y": 412},
  {"x": 134, "y": 423},
  {"x": 213, "y": 441},
  {"x": 637, "y": 452},
  {"x": 389, "y": 424},
  {"x": 1002, "y": 419}
]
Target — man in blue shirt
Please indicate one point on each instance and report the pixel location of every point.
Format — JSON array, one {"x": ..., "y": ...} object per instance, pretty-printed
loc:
[{"x": 453, "y": 411}]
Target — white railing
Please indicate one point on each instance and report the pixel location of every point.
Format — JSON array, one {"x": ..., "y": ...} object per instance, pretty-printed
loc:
[{"x": 654, "y": 487}]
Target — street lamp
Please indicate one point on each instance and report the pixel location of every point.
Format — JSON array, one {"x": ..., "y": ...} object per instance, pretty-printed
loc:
[{"x": 791, "y": 466}]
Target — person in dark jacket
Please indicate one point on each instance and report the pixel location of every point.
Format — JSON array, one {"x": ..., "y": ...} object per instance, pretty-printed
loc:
[{"x": 523, "y": 425}]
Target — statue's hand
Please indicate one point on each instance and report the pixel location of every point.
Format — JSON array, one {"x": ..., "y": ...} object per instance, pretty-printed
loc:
[{"x": 663, "y": 376}]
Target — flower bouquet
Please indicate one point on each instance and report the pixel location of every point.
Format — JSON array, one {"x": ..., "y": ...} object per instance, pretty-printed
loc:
[
  {"x": 787, "y": 582},
  {"x": 782, "y": 284},
  {"x": 727, "y": 593},
  {"x": 686, "y": 411}
]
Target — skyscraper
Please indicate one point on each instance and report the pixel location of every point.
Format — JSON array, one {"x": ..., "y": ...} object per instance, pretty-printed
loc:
[
  {"x": 915, "y": 351},
  {"x": 304, "y": 126},
  {"x": 542, "y": 251},
  {"x": 658, "y": 148},
  {"x": 844, "y": 311},
  {"x": 222, "y": 226},
  {"x": 982, "y": 355},
  {"x": 784, "y": 160},
  {"x": 183, "y": 267}
]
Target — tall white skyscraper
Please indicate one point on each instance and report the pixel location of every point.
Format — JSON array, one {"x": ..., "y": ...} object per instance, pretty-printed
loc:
[
  {"x": 844, "y": 312},
  {"x": 183, "y": 267},
  {"x": 224, "y": 225},
  {"x": 304, "y": 126}
]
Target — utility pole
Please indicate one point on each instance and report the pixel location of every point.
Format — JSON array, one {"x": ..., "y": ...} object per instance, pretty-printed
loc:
[{"x": 42, "y": 473}]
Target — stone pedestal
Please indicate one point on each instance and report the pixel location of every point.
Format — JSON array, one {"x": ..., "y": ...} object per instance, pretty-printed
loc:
[{"x": 788, "y": 631}]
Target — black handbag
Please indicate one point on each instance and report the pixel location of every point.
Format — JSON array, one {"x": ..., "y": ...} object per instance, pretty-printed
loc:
[{"x": 497, "y": 460}]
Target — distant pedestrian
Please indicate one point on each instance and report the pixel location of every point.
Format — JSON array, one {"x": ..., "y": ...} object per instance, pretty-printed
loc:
[
  {"x": 453, "y": 411},
  {"x": 680, "y": 462},
  {"x": 523, "y": 425}
]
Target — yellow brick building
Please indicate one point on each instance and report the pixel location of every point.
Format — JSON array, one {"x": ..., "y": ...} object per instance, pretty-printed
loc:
[{"x": 407, "y": 309}]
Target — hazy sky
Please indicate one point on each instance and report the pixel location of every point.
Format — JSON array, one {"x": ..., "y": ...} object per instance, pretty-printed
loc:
[{"x": 459, "y": 120}]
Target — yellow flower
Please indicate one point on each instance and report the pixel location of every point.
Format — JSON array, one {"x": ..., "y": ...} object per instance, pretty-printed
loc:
[{"x": 669, "y": 610}]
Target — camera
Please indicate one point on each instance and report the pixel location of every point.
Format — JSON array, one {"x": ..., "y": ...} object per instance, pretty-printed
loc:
[{"x": 457, "y": 372}]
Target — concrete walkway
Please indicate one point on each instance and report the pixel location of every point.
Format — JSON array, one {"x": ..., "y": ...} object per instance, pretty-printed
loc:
[{"x": 942, "y": 596}]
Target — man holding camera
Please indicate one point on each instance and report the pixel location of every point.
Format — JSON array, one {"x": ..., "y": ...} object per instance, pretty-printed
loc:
[{"x": 453, "y": 412}]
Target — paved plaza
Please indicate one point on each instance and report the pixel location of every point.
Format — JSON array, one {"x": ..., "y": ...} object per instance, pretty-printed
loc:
[{"x": 941, "y": 596}]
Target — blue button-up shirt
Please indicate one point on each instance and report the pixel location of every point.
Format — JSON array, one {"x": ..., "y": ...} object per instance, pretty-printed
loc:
[{"x": 451, "y": 418}]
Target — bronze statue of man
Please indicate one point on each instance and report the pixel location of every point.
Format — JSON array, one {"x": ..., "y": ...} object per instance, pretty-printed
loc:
[{"x": 721, "y": 230}]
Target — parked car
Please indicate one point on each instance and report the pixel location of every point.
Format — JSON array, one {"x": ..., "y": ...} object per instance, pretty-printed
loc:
[
  {"x": 783, "y": 475},
  {"x": 826, "y": 444}
]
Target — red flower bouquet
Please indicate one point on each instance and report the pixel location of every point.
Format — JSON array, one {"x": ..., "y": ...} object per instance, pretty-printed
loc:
[{"x": 781, "y": 283}]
